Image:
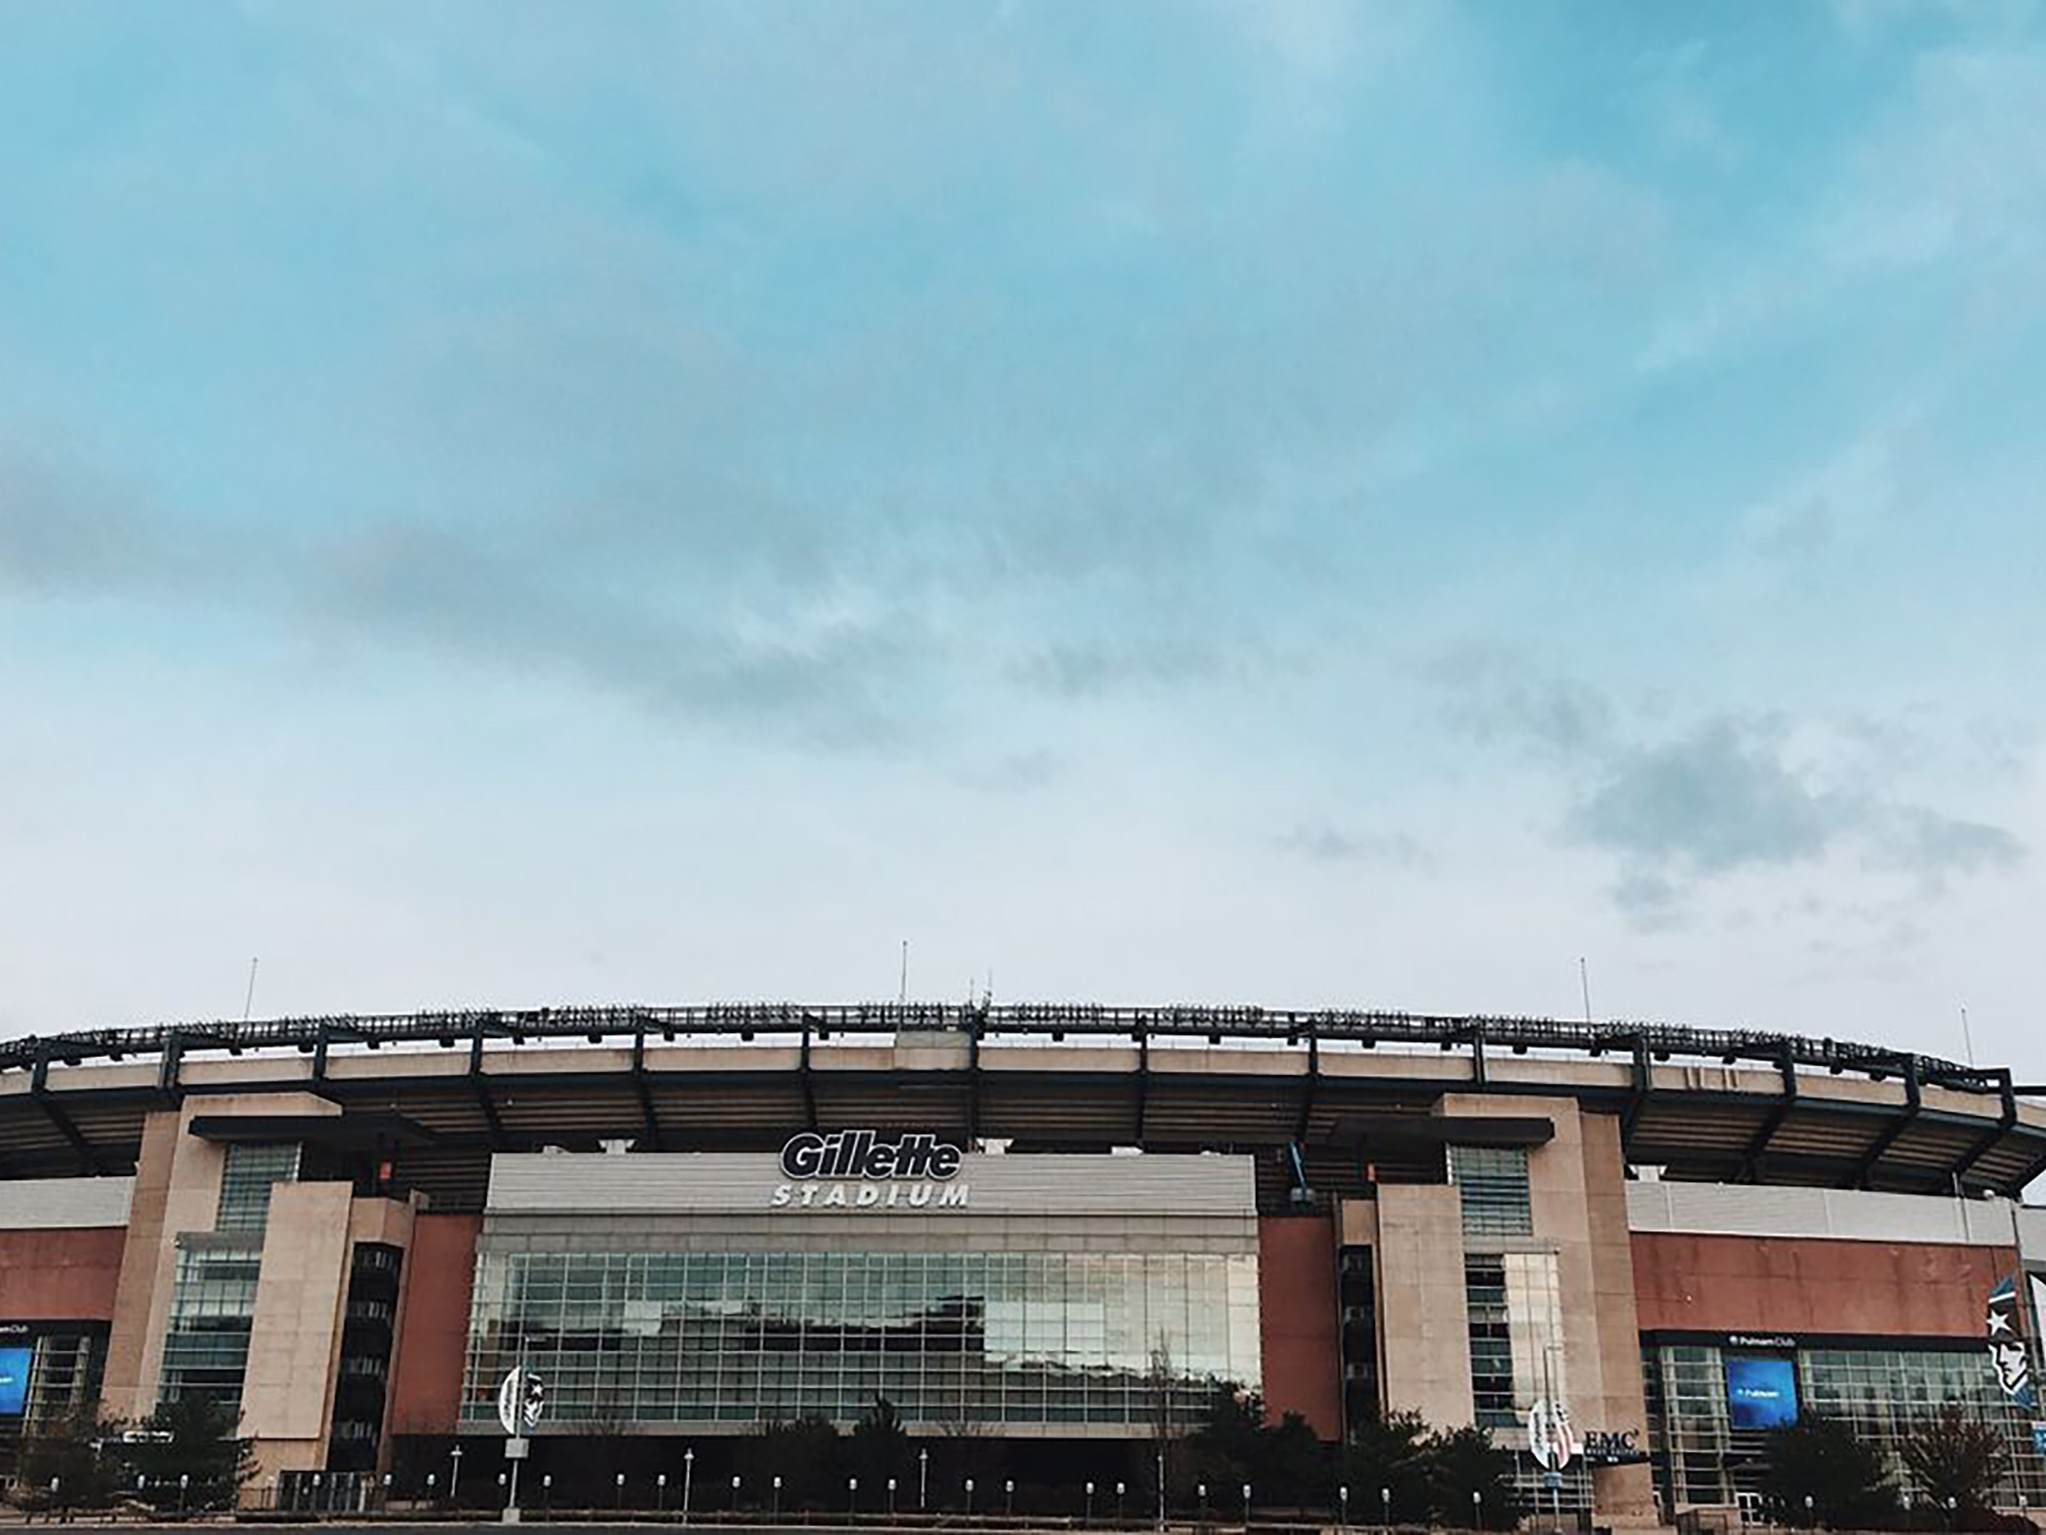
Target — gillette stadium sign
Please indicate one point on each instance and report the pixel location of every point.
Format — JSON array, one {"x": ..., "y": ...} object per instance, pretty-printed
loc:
[{"x": 864, "y": 1170}]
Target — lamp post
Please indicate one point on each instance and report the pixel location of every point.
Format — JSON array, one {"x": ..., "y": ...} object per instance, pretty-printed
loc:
[
  {"x": 1343, "y": 1505},
  {"x": 1385, "y": 1506},
  {"x": 1088, "y": 1516},
  {"x": 620, "y": 1481},
  {"x": 891, "y": 1497},
  {"x": 454, "y": 1472},
  {"x": 1477, "y": 1508},
  {"x": 1246, "y": 1505},
  {"x": 1808, "y": 1519},
  {"x": 1161, "y": 1486},
  {"x": 735, "y": 1494},
  {"x": 923, "y": 1479},
  {"x": 969, "y": 1495},
  {"x": 661, "y": 1492},
  {"x": 688, "y": 1471},
  {"x": 547, "y": 1491},
  {"x": 1201, "y": 1500},
  {"x": 852, "y": 1494},
  {"x": 1120, "y": 1489},
  {"x": 1009, "y": 1492},
  {"x": 775, "y": 1505}
]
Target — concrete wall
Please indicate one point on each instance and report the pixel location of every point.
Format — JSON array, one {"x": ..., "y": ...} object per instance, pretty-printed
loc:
[
  {"x": 177, "y": 1189},
  {"x": 288, "y": 1392},
  {"x": 1422, "y": 1321},
  {"x": 1297, "y": 1326},
  {"x": 60, "y": 1276},
  {"x": 1694, "y": 1283}
]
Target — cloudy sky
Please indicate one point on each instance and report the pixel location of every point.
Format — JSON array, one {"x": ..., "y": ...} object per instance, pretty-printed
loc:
[{"x": 1295, "y": 502}]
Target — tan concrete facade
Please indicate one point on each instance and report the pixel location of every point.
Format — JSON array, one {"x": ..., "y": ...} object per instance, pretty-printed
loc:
[
  {"x": 1424, "y": 1326},
  {"x": 177, "y": 1190},
  {"x": 1577, "y": 1194}
]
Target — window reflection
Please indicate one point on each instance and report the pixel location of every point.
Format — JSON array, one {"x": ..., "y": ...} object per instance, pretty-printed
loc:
[{"x": 947, "y": 1337}]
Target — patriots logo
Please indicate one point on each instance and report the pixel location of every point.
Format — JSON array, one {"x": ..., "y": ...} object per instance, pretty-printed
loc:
[{"x": 2008, "y": 1354}]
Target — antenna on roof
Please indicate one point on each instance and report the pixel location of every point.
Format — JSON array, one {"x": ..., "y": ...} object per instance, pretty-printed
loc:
[
  {"x": 902, "y": 997},
  {"x": 1967, "y": 1039},
  {"x": 249, "y": 996},
  {"x": 1584, "y": 984}
]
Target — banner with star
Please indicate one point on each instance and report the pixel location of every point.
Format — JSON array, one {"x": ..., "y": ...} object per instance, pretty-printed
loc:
[{"x": 2008, "y": 1353}]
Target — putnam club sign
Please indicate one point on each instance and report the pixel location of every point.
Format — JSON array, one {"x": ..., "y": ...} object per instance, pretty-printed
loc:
[{"x": 863, "y": 1170}]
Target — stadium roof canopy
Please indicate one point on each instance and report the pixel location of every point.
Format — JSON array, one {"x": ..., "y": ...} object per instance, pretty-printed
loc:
[{"x": 437, "y": 1092}]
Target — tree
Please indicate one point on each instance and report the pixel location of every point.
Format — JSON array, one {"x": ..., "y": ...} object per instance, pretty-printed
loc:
[
  {"x": 191, "y": 1456},
  {"x": 1819, "y": 1472},
  {"x": 1956, "y": 1460},
  {"x": 1236, "y": 1445},
  {"x": 1388, "y": 1452},
  {"x": 1470, "y": 1480},
  {"x": 807, "y": 1455},
  {"x": 880, "y": 1448},
  {"x": 60, "y": 1464}
]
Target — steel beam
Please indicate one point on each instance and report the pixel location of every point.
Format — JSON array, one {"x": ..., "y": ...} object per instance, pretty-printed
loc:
[
  {"x": 89, "y": 1164},
  {"x": 1313, "y": 1081},
  {"x": 479, "y": 1087},
  {"x": 1758, "y": 1148},
  {"x": 1887, "y": 1137},
  {"x": 639, "y": 1082}
]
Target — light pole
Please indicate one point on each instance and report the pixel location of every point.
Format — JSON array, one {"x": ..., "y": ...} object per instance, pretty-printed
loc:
[
  {"x": 1808, "y": 1519},
  {"x": 1343, "y": 1502},
  {"x": 969, "y": 1495},
  {"x": 1385, "y": 1505},
  {"x": 1246, "y": 1505},
  {"x": 1201, "y": 1501},
  {"x": 776, "y": 1504},
  {"x": 1120, "y": 1489},
  {"x": 891, "y": 1497},
  {"x": 1009, "y": 1492},
  {"x": 454, "y": 1472},
  {"x": 1477, "y": 1508},
  {"x": 547, "y": 1491},
  {"x": 661, "y": 1492},
  {"x": 688, "y": 1469},
  {"x": 735, "y": 1494},
  {"x": 923, "y": 1479},
  {"x": 1161, "y": 1486},
  {"x": 1088, "y": 1517},
  {"x": 852, "y": 1494}
]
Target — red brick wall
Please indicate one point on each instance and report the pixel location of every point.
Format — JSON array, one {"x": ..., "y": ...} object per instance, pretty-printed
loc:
[
  {"x": 440, "y": 1265},
  {"x": 1811, "y": 1284},
  {"x": 1296, "y": 1285},
  {"x": 66, "y": 1275}
]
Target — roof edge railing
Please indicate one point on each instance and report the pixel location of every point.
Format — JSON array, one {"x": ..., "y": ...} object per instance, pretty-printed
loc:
[{"x": 1662, "y": 1042}]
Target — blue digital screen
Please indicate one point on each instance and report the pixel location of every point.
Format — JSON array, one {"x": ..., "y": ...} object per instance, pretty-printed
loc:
[
  {"x": 1760, "y": 1393},
  {"x": 14, "y": 1381}
]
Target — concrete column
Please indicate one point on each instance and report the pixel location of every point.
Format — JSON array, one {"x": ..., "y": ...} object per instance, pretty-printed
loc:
[{"x": 1423, "y": 1322}]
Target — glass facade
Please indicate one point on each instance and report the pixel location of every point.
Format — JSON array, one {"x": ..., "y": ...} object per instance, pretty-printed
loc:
[
  {"x": 213, "y": 1306},
  {"x": 1701, "y": 1458},
  {"x": 950, "y": 1338},
  {"x": 1515, "y": 1311},
  {"x": 246, "y": 1179},
  {"x": 1492, "y": 1186}
]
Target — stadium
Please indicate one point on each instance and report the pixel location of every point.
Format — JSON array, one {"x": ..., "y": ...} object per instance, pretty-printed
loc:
[{"x": 1054, "y": 1230}]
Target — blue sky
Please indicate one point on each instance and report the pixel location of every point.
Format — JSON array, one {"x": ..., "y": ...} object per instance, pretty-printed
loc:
[{"x": 1301, "y": 502}]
